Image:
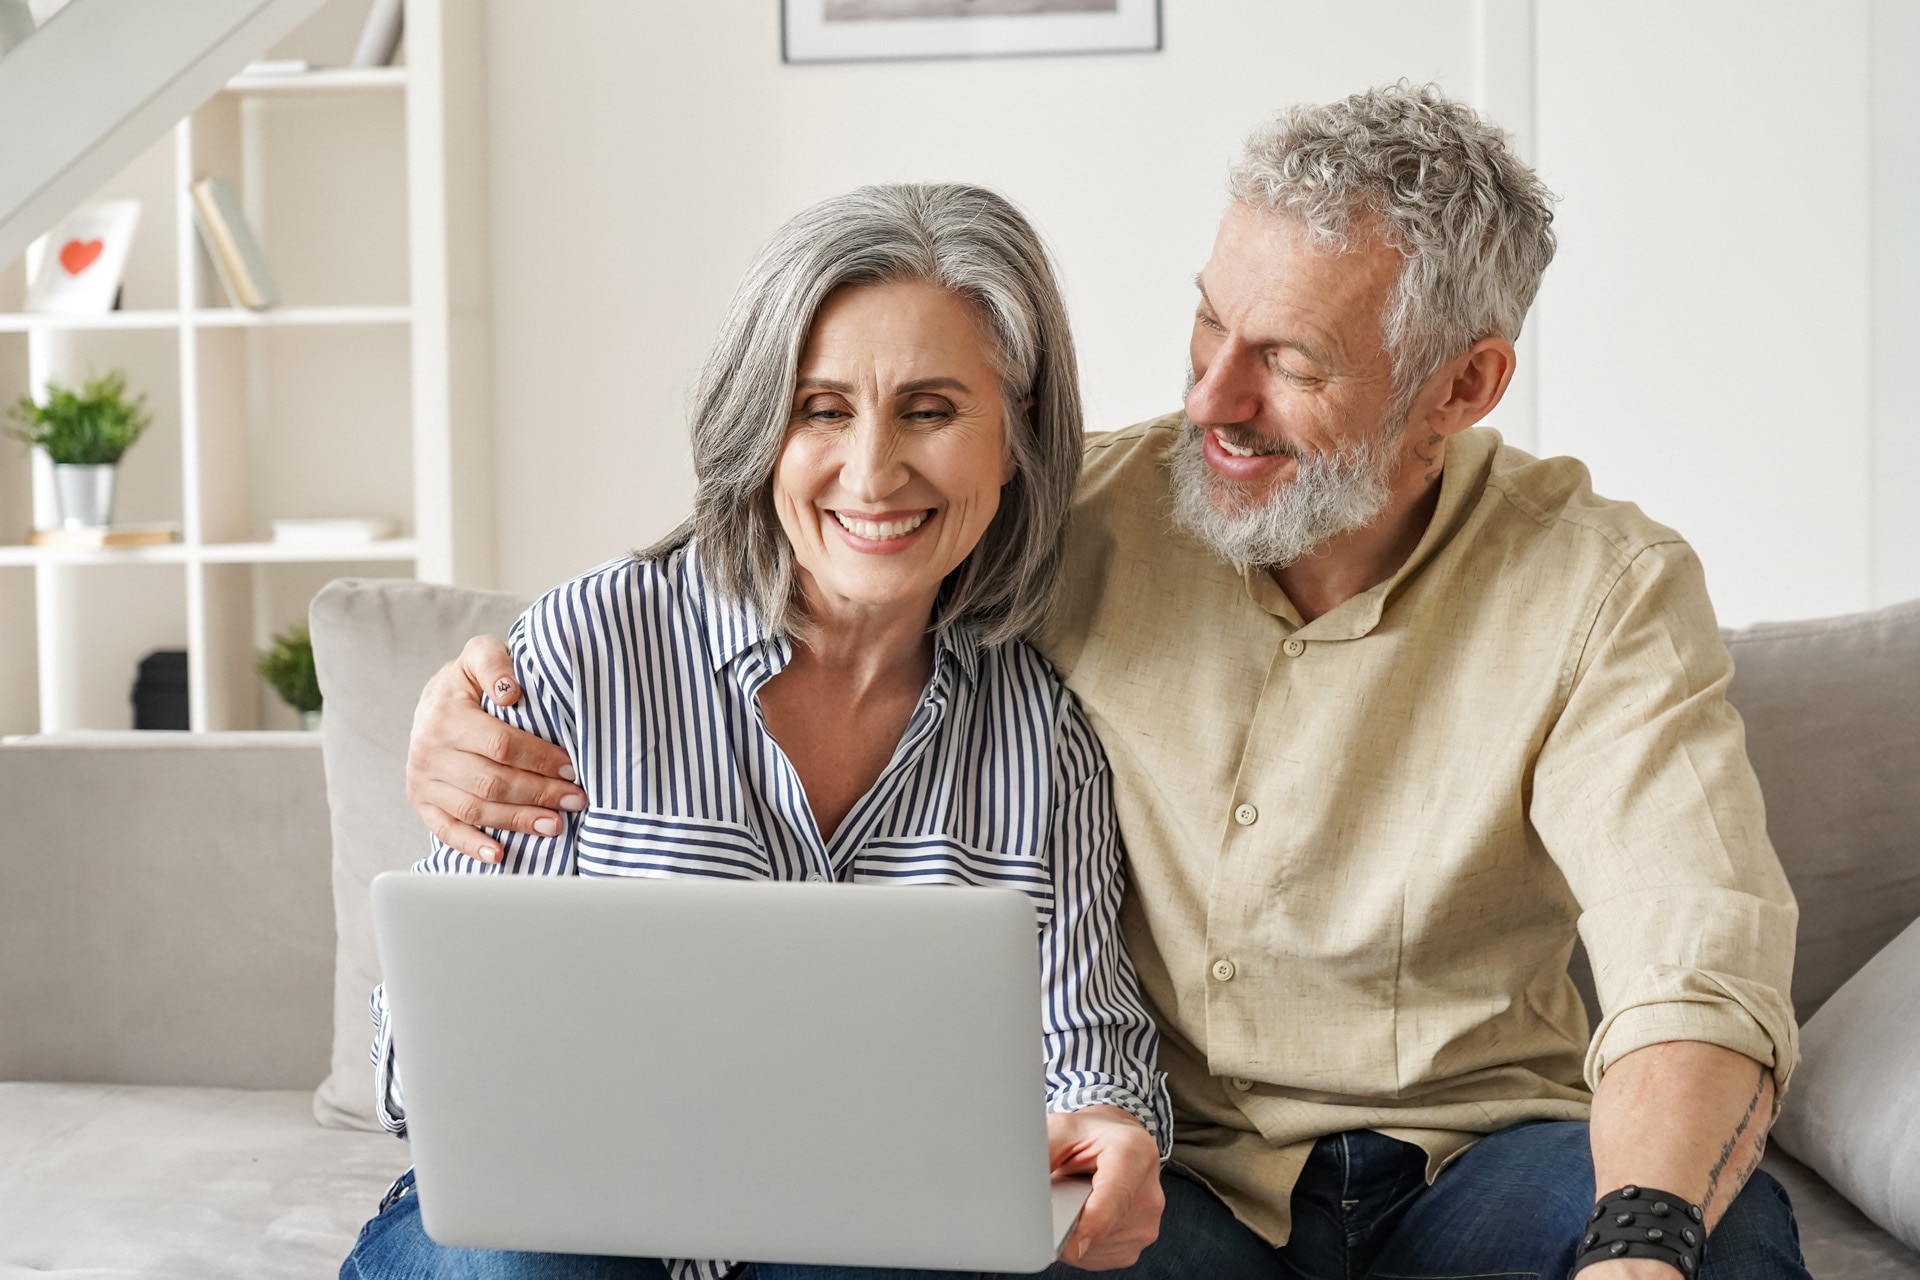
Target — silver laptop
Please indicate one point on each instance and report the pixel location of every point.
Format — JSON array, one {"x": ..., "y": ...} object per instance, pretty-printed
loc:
[{"x": 824, "y": 1074}]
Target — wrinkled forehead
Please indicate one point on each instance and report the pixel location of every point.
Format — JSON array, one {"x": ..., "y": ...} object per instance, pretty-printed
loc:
[{"x": 1270, "y": 276}]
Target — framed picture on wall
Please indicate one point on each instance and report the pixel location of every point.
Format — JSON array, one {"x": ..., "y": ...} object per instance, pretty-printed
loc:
[{"x": 869, "y": 30}]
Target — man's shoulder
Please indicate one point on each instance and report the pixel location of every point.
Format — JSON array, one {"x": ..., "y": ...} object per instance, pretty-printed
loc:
[
  {"x": 1130, "y": 461},
  {"x": 1556, "y": 495}
]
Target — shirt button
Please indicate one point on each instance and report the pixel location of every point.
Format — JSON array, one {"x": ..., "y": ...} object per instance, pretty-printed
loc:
[
  {"x": 1223, "y": 970},
  {"x": 1294, "y": 647},
  {"x": 814, "y": 877},
  {"x": 1246, "y": 815},
  {"x": 1242, "y": 1083}
]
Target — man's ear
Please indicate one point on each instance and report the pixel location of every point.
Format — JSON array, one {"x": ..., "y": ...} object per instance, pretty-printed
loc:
[{"x": 1469, "y": 386}]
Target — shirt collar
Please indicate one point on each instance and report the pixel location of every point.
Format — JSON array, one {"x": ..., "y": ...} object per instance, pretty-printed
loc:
[
  {"x": 735, "y": 627},
  {"x": 1469, "y": 460}
]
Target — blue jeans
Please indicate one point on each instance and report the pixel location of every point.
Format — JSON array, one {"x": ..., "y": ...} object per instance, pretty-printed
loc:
[{"x": 1512, "y": 1208}]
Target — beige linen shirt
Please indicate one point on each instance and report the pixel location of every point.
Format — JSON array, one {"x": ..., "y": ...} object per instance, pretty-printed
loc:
[{"x": 1360, "y": 847}]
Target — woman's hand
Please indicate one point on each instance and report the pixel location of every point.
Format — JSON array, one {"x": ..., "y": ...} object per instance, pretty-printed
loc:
[
  {"x": 1122, "y": 1215},
  {"x": 467, "y": 770}
]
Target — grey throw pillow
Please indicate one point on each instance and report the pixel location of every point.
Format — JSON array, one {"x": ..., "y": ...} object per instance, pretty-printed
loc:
[
  {"x": 1853, "y": 1112},
  {"x": 375, "y": 643}
]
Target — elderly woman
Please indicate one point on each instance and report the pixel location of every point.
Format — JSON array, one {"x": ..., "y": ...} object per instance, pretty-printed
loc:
[{"x": 825, "y": 668}]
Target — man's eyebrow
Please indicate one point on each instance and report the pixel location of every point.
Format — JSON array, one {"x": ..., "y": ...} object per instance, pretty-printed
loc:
[{"x": 1304, "y": 347}]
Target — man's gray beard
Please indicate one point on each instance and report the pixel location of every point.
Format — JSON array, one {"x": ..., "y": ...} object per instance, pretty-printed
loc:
[{"x": 1328, "y": 495}]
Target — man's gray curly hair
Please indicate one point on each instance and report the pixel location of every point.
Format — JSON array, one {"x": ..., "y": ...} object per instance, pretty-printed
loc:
[{"x": 1473, "y": 222}]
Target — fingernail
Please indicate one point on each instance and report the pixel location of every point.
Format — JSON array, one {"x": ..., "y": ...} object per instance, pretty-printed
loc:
[
  {"x": 547, "y": 826},
  {"x": 566, "y": 773},
  {"x": 489, "y": 855},
  {"x": 573, "y": 804},
  {"x": 502, "y": 687}
]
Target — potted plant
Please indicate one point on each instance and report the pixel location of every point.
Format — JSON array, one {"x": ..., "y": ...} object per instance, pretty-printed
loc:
[
  {"x": 84, "y": 433},
  {"x": 288, "y": 667}
]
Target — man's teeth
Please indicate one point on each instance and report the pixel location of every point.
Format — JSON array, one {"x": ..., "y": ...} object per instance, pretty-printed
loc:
[
  {"x": 880, "y": 530},
  {"x": 1231, "y": 449}
]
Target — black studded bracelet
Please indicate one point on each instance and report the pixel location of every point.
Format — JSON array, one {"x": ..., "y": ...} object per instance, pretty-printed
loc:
[{"x": 1639, "y": 1222}]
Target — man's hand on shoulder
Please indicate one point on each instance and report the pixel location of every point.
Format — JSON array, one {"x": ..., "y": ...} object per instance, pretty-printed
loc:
[
  {"x": 467, "y": 769},
  {"x": 1122, "y": 1215}
]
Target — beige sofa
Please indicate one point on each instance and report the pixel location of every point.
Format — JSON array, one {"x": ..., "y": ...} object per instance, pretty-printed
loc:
[{"x": 174, "y": 980}]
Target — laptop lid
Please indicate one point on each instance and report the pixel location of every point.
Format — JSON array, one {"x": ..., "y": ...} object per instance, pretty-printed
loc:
[{"x": 799, "y": 1073}]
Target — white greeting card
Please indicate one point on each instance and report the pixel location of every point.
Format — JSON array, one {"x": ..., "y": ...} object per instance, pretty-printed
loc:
[{"x": 82, "y": 260}]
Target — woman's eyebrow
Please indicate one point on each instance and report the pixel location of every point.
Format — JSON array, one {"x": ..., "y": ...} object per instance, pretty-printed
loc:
[
  {"x": 933, "y": 384},
  {"x": 824, "y": 384}
]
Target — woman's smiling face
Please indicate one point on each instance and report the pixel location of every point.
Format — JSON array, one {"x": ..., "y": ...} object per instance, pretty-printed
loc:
[{"x": 896, "y": 449}]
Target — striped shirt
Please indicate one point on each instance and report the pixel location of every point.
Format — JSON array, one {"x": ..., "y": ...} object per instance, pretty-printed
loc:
[{"x": 650, "y": 680}]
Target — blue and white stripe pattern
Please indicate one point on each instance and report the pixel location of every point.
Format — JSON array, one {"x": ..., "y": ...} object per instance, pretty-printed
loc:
[{"x": 650, "y": 679}]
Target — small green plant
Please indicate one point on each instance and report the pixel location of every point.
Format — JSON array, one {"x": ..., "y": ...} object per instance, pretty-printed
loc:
[
  {"x": 91, "y": 427},
  {"x": 288, "y": 667}
]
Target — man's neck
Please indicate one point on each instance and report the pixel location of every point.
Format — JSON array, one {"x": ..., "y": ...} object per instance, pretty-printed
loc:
[{"x": 1356, "y": 562}]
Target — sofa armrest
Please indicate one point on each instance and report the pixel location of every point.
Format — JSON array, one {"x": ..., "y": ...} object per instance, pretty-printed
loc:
[{"x": 166, "y": 913}]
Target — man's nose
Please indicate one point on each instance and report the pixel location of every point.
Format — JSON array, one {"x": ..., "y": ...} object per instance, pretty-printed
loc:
[{"x": 1227, "y": 390}]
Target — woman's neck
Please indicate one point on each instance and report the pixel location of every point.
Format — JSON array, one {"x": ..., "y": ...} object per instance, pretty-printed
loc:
[{"x": 863, "y": 648}]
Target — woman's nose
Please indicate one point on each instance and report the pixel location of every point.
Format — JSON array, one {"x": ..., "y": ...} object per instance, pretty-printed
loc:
[{"x": 873, "y": 467}]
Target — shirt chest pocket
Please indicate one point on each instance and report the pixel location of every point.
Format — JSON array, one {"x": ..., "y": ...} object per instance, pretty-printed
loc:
[
  {"x": 941, "y": 859},
  {"x": 616, "y": 842}
]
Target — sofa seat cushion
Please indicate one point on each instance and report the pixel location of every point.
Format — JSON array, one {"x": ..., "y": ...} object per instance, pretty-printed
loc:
[
  {"x": 122, "y": 1180},
  {"x": 1838, "y": 1241}
]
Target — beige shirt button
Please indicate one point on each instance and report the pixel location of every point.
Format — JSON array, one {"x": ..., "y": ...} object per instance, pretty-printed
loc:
[
  {"x": 814, "y": 877},
  {"x": 1242, "y": 1083},
  {"x": 1223, "y": 970},
  {"x": 1294, "y": 647},
  {"x": 1246, "y": 815}
]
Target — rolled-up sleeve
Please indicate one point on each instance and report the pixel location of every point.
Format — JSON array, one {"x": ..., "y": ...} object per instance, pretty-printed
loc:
[{"x": 1644, "y": 797}]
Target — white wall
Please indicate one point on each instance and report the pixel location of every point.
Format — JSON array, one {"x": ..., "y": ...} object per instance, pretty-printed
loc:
[
  {"x": 1704, "y": 334},
  {"x": 642, "y": 152},
  {"x": 1703, "y": 341}
]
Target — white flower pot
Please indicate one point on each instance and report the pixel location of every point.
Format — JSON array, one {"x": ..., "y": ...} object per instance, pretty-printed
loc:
[{"x": 85, "y": 494}]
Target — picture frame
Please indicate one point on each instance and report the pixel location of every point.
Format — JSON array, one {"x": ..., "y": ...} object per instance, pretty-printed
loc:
[
  {"x": 889, "y": 30},
  {"x": 81, "y": 261}
]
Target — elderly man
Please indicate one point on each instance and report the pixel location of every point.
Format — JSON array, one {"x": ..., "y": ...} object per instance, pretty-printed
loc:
[{"x": 1394, "y": 711}]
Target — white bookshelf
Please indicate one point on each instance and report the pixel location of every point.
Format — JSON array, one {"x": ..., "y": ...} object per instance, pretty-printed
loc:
[{"x": 363, "y": 394}]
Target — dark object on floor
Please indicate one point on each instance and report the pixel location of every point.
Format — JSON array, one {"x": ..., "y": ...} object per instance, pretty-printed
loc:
[{"x": 160, "y": 691}]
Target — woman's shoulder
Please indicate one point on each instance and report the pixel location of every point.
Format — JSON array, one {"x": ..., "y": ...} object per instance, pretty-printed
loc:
[
  {"x": 625, "y": 595},
  {"x": 1014, "y": 673}
]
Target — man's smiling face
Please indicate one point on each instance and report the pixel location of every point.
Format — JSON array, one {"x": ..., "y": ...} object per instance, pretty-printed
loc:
[{"x": 1292, "y": 392}]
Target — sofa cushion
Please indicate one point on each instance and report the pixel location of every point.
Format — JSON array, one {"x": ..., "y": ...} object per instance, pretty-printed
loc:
[
  {"x": 1853, "y": 1114},
  {"x": 1832, "y": 709},
  {"x": 164, "y": 913},
  {"x": 109, "y": 1181},
  {"x": 375, "y": 643}
]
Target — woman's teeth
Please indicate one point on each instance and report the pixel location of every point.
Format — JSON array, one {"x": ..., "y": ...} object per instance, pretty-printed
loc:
[{"x": 880, "y": 530}]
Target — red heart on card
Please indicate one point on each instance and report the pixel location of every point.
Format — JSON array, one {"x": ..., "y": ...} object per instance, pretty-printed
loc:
[{"x": 77, "y": 255}]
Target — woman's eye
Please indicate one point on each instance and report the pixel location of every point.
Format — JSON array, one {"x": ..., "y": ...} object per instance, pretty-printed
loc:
[{"x": 929, "y": 415}]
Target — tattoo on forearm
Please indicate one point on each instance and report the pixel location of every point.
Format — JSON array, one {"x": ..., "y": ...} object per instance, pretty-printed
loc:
[{"x": 1731, "y": 1145}]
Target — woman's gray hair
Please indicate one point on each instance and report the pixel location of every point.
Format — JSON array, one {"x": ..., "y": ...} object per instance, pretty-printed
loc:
[
  {"x": 964, "y": 239},
  {"x": 1473, "y": 222}
]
